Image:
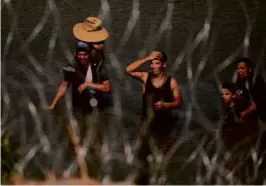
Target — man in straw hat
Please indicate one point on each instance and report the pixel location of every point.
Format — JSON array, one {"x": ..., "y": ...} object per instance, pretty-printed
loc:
[
  {"x": 89, "y": 80},
  {"x": 87, "y": 76},
  {"x": 92, "y": 33}
]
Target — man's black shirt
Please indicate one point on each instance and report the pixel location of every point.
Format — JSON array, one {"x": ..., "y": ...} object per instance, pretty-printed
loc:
[{"x": 76, "y": 74}]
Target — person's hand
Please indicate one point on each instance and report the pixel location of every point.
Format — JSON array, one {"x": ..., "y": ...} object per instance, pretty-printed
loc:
[
  {"x": 51, "y": 107},
  {"x": 154, "y": 54},
  {"x": 159, "y": 105},
  {"x": 82, "y": 87},
  {"x": 243, "y": 115}
]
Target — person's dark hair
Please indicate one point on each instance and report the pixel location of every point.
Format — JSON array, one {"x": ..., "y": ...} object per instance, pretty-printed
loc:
[
  {"x": 230, "y": 86},
  {"x": 248, "y": 62},
  {"x": 245, "y": 60},
  {"x": 164, "y": 56}
]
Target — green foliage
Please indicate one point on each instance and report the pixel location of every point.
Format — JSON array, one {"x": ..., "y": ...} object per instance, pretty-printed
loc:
[{"x": 9, "y": 157}]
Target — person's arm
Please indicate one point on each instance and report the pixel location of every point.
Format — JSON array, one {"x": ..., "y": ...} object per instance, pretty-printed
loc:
[
  {"x": 59, "y": 94},
  {"x": 251, "y": 109},
  {"x": 103, "y": 87},
  {"x": 131, "y": 68},
  {"x": 177, "y": 98}
]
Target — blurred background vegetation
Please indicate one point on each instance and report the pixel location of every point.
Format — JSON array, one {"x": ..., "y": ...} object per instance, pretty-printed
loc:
[{"x": 9, "y": 157}]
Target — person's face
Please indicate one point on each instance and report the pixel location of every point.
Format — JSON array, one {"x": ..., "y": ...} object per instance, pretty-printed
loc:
[
  {"x": 82, "y": 57},
  {"x": 242, "y": 70},
  {"x": 227, "y": 96},
  {"x": 157, "y": 66}
]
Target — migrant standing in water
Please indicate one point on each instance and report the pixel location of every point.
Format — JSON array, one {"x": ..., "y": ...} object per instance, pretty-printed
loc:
[
  {"x": 239, "y": 133},
  {"x": 87, "y": 73},
  {"x": 161, "y": 94},
  {"x": 87, "y": 76},
  {"x": 236, "y": 128},
  {"x": 255, "y": 85}
]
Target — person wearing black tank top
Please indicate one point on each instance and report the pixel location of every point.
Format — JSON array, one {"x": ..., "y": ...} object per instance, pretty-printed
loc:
[{"x": 161, "y": 94}]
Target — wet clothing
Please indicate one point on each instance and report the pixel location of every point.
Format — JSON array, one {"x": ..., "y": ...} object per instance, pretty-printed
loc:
[
  {"x": 240, "y": 135},
  {"x": 162, "y": 121},
  {"x": 157, "y": 126},
  {"x": 76, "y": 74},
  {"x": 257, "y": 91},
  {"x": 235, "y": 129},
  {"x": 244, "y": 100}
]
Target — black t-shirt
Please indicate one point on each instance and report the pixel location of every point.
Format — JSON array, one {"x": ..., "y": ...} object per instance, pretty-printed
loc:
[
  {"x": 244, "y": 99},
  {"x": 256, "y": 91},
  {"x": 76, "y": 74}
]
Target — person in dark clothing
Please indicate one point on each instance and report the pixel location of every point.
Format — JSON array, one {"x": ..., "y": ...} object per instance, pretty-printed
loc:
[
  {"x": 87, "y": 92},
  {"x": 90, "y": 84},
  {"x": 161, "y": 94},
  {"x": 239, "y": 133},
  {"x": 228, "y": 91},
  {"x": 90, "y": 89},
  {"x": 87, "y": 76},
  {"x": 253, "y": 85},
  {"x": 235, "y": 128}
]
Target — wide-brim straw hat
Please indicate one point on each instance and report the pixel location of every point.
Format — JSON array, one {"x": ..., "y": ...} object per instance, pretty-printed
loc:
[{"x": 90, "y": 30}]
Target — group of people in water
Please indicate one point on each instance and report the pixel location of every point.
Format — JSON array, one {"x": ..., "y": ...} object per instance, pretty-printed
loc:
[{"x": 244, "y": 100}]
